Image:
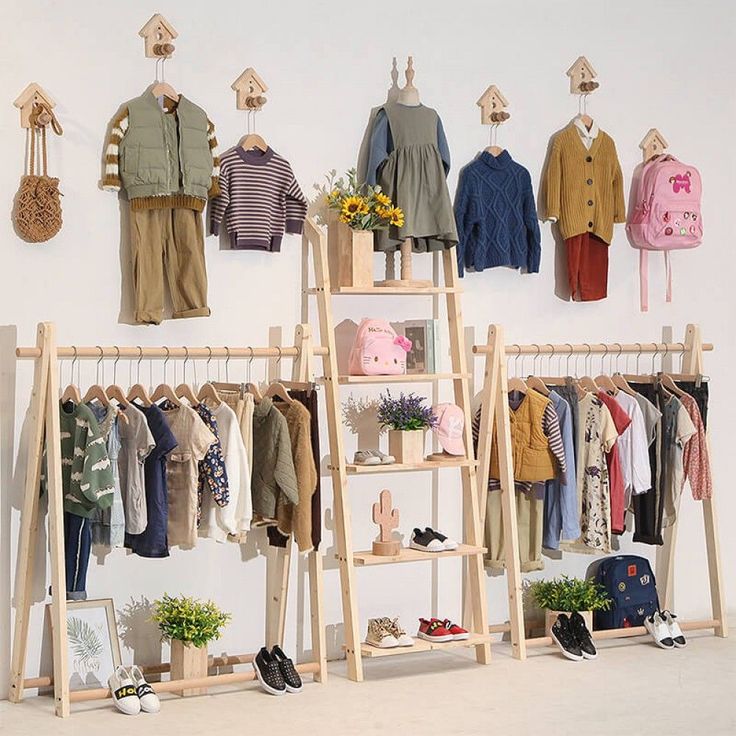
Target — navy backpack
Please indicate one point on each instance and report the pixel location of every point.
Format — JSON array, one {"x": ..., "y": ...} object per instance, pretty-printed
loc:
[{"x": 629, "y": 582}]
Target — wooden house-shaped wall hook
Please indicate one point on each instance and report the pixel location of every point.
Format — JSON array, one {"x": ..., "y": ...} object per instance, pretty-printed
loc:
[
  {"x": 653, "y": 143},
  {"x": 30, "y": 96},
  {"x": 492, "y": 104},
  {"x": 582, "y": 76},
  {"x": 249, "y": 90},
  {"x": 158, "y": 34}
]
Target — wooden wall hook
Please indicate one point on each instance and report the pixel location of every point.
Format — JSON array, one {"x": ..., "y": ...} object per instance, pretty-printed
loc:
[
  {"x": 582, "y": 76},
  {"x": 653, "y": 143},
  {"x": 492, "y": 106},
  {"x": 249, "y": 90},
  {"x": 33, "y": 94},
  {"x": 158, "y": 34}
]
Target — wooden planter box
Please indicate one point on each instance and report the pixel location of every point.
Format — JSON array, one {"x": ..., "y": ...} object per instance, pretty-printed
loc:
[
  {"x": 551, "y": 616},
  {"x": 186, "y": 662},
  {"x": 350, "y": 254},
  {"x": 406, "y": 446}
]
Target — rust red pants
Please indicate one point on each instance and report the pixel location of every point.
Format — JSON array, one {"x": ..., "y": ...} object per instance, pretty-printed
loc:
[{"x": 587, "y": 267}]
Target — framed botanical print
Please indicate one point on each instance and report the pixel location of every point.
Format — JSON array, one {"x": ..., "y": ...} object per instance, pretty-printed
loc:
[
  {"x": 93, "y": 644},
  {"x": 421, "y": 357}
]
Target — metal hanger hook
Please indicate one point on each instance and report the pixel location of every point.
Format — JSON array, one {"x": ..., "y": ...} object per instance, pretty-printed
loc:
[
  {"x": 618, "y": 355},
  {"x": 534, "y": 359},
  {"x": 207, "y": 365},
  {"x": 603, "y": 358},
  {"x": 227, "y": 364},
  {"x": 115, "y": 365},
  {"x": 97, "y": 365},
  {"x": 654, "y": 355},
  {"x": 184, "y": 365},
  {"x": 166, "y": 360},
  {"x": 138, "y": 364},
  {"x": 638, "y": 355},
  {"x": 585, "y": 360}
]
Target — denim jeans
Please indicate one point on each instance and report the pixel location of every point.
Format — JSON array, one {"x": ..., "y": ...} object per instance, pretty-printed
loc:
[{"x": 77, "y": 545}]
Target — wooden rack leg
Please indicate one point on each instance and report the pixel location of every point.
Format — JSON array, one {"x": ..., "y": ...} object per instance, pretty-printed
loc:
[
  {"x": 29, "y": 518},
  {"x": 341, "y": 504},
  {"x": 476, "y": 579},
  {"x": 718, "y": 602},
  {"x": 56, "y": 534},
  {"x": 316, "y": 612},
  {"x": 279, "y": 567}
]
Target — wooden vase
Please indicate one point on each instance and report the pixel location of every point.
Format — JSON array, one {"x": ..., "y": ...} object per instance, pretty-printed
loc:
[
  {"x": 188, "y": 661},
  {"x": 407, "y": 446},
  {"x": 350, "y": 255},
  {"x": 551, "y": 616}
]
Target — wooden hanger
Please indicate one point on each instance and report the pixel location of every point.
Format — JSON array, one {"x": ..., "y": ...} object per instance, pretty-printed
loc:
[
  {"x": 164, "y": 89},
  {"x": 96, "y": 391},
  {"x": 668, "y": 383},
  {"x": 276, "y": 389},
  {"x": 71, "y": 393},
  {"x": 138, "y": 390},
  {"x": 517, "y": 384},
  {"x": 208, "y": 394},
  {"x": 537, "y": 384},
  {"x": 184, "y": 390},
  {"x": 253, "y": 140},
  {"x": 605, "y": 383},
  {"x": 622, "y": 384},
  {"x": 164, "y": 390},
  {"x": 114, "y": 391}
]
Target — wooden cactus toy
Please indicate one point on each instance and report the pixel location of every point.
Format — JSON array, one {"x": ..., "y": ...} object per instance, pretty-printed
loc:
[{"x": 387, "y": 519}]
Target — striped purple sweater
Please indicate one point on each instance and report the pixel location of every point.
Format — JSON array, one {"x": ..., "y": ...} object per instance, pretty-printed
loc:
[{"x": 259, "y": 199}]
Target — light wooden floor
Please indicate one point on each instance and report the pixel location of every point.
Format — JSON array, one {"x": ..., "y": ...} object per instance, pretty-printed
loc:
[{"x": 630, "y": 689}]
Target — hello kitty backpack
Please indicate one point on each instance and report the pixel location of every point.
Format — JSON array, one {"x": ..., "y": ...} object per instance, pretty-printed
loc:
[
  {"x": 378, "y": 350},
  {"x": 666, "y": 215}
]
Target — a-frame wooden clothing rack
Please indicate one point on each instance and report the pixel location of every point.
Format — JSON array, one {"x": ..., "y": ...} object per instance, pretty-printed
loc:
[
  {"x": 341, "y": 472},
  {"x": 495, "y": 409},
  {"x": 44, "y": 422}
]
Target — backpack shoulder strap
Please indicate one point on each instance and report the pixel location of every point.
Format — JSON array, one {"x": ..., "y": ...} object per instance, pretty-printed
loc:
[{"x": 644, "y": 279}]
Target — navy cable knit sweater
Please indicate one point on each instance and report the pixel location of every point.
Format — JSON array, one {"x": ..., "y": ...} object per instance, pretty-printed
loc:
[{"x": 496, "y": 215}]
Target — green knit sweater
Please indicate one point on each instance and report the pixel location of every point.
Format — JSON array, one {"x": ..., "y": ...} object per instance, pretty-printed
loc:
[{"x": 273, "y": 466}]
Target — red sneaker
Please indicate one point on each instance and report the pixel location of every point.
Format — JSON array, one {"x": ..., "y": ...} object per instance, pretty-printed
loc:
[
  {"x": 458, "y": 632},
  {"x": 433, "y": 630}
]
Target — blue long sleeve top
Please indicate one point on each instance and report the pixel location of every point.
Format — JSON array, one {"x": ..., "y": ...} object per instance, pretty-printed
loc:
[
  {"x": 382, "y": 144},
  {"x": 496, "y": 215}
]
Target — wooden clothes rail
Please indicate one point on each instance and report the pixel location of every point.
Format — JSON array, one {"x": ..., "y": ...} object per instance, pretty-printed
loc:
[
  {"x": 44, "y": 423},
  {"x": 494, "y": 397}
]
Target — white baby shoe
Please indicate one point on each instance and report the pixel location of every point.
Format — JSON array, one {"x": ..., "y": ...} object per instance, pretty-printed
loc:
[
  {"x": 674, "y": 628},
  {"x": 149, "y": 700},
  {"x": 659, "y": 630},
  {"x": 124, "y": 693}
]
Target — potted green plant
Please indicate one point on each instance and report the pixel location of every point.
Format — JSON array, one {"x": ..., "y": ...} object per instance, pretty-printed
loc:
[
  {"x": 407, "y": 419},
  {"x": 189, "y": 624},
  {"x": 357, "y": 210},
  {"x": 565, "y": 595}
]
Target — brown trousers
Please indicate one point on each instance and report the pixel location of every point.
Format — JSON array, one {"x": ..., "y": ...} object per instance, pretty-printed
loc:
[
  {"x": 170, "y": 240},
  {"x": 587, "y": 267}
]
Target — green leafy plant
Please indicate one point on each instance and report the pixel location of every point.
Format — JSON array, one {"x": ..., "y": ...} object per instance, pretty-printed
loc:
[
  {"x": 569, "y": 594},
  {"x": 190, "y": 620}
]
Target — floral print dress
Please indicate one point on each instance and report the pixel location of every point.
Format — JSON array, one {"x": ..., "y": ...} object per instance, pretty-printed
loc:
[{"x": 596, "y": 436}]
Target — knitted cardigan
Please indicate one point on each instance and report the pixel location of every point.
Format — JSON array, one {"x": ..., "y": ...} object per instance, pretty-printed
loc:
[
  {"x": 273, "y": 466},
  {"x": 291, "y": 518},
  {"x": 584, "y": 188},
  {"x": 496, "y": 215}
]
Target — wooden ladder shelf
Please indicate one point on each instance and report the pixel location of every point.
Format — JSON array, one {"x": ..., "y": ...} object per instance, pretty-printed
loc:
[{"x": 348, "y": 558}]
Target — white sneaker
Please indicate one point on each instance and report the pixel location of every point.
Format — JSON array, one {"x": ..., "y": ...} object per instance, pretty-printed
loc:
[
  {"x": 394, "y": 628},
  {"x": 379, "y": 636},
  {"x": 659, "y": 631},
  {"x": 447, "y": 543},
  {"x": 366, "y": 457},
  {"x": 674, "y": 628},
  {"x": 425, "y": 541},
  {"x": 149, "y": 700},
  {"x": 123, "y": 691}
]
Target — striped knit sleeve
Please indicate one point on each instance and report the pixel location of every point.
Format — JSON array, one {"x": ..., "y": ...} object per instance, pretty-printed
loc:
[
  {"x": 551, "y": 428},
  {"x": 222, "y": 201},
  {"x": 296, "y": 207},
  {"x": 212, "y": 141},
  {"x": 111, "y": 179}
]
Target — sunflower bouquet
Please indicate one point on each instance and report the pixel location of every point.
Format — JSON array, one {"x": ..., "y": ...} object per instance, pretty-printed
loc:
[{"x": 361, "y": 207}]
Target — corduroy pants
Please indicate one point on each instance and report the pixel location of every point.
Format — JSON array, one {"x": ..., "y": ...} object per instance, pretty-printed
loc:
[
  {"x": 170, "y": 241},
  {"x": 587, "y": 267}
]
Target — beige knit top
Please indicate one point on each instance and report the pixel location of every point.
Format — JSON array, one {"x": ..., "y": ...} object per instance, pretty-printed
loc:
[{"x": 584, "y": 188}]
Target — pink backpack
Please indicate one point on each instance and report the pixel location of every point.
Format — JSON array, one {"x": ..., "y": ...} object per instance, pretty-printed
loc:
[
  {"x": 378, "y": 350},
  {"x": 666, "y": 215}
]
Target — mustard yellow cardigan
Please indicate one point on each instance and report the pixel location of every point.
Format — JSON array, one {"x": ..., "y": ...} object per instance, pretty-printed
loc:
[{"x": 584, "y": 188}]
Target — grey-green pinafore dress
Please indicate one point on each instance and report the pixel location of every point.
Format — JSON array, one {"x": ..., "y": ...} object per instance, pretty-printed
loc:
[{"x": 414, "y": 177}]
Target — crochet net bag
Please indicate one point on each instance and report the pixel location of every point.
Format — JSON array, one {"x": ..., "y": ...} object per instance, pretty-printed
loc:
[{"x": 37, "y": 212}]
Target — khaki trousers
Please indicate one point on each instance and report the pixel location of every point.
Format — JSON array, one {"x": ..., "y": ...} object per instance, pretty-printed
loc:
[
  {"x": 529, "y": 516},
  {"x": 170, "y": 240}
]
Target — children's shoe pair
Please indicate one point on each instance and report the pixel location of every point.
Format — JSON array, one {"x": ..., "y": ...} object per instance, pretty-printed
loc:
[
  {"x": 664, "y": 629},
  {"x": 436, "y": 629},
  {"x": 373, "y": 457},
  {"x": 131, "y": 693},
  {"x": 573, "y": 638},
  {"x": 276, "y": 672},
  {"x": 430, "y": 540},
  {"x": 386, "y": 633}
]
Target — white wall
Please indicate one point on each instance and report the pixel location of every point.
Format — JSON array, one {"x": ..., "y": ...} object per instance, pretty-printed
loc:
[{"x": 665, "y": 64}]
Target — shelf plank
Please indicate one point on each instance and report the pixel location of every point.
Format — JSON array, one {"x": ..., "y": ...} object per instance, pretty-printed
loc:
[
  {"x": 404, "y": 378},
  {"x": 420, "y": 645},
  {"x": 461, "y": 462},
  {"x": 395, "y": 290},
  {"x": 367, "y": 558}
]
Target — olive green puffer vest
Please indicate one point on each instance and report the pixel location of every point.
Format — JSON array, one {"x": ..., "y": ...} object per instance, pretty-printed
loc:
[
  {"x": 165, "y": 153},
  {"x": 533, "y": 459}
]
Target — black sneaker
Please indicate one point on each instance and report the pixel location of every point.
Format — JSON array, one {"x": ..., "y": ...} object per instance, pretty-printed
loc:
[
  {"x": 291, "y": 677},
  {"x": 563, "y": 636},
  {"x": 582, "y": 635},
  {"x": 268, "y": 673}
]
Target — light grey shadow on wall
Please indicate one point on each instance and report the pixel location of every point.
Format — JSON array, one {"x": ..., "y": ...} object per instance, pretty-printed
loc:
[{"x": 138, "y": 632}]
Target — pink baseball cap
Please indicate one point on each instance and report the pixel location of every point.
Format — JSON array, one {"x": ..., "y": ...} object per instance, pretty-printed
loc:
[{"x": 449, "y": 428}]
